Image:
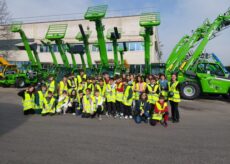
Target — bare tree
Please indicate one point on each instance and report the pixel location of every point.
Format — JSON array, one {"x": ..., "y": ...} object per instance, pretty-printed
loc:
[{"x": 4, "y": 24}]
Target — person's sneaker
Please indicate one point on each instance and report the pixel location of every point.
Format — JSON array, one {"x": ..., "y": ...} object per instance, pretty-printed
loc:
[
  {"x": 130, "y": 117},
  {"x": 121, "y": 117},
  {"x": 100, "y": 118},
  {"x": 74, "y": 114},
  {"x": 126, "y": 117}
]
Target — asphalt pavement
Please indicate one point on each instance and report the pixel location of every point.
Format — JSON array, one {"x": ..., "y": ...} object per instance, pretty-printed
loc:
[{"x": 202, "y": 136}]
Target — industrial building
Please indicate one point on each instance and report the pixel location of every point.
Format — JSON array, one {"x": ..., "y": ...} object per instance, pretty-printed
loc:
[{"x": 129, "y": 26}]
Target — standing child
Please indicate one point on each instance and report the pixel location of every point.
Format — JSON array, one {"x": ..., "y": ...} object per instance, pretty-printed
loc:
[
  {"x": 163, "y": 82},
  {"x": 49, "y": 104},
  {"x": 119, "y": 97},
  {"x": 72, "y": 102},
  {"x": 174, "y": 98},
  {"x": 127, "y": 100},
  {"x": 142, "y": 109},
  {"x": 63, "y": 102},
  {"x": 160, "y": 112},
  {"x": 110, "y": 94}
]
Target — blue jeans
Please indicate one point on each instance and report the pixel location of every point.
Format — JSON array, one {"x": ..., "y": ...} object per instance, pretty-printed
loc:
[{"x": 138, "y": 119}]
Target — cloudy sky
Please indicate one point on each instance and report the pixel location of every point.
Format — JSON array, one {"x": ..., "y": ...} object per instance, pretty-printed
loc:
[{"x": 178, "y": 17}]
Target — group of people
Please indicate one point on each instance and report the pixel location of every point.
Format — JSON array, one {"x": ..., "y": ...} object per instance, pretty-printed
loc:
[{"x": 144, "y": 99}]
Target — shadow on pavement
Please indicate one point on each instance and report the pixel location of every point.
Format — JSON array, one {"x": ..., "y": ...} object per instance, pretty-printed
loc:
[{"x": 11, "y": 117}]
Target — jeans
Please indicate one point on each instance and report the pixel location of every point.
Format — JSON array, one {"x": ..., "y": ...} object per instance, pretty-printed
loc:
[{"x": 139, "y": 118}]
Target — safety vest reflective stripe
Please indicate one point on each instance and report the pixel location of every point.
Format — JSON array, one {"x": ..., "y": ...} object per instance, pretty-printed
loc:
[{"x": 28, "y": 102}]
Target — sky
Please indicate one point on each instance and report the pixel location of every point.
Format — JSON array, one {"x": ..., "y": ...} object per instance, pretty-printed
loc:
[{"x": 178, "y": 17}]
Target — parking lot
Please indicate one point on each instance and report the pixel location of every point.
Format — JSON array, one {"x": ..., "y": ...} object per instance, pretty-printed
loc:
[{"x": 202, "y": 136}]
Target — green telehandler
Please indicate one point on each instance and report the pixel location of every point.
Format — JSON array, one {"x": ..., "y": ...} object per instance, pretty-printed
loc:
[
  {"x": 203, "y": 73},
  {"x": 96, "y": 14},
  {"x": 148, "y": 21},
  {"x": 34, "y": 72},
  {"x": 57, "y": 32},
  {"x": 114, "y": 34},
  {"x": 84, "y": 36}
]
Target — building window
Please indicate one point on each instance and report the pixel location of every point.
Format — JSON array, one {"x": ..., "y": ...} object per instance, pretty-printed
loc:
[
  {"x": 132, "y": 46},
  {"x": 139, "y": 46},
  {"x": 94, "y": 48},
  {"x": 109, "y": 47}
]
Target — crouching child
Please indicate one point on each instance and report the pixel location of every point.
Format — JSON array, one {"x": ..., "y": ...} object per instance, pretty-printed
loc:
[
  {"x": 141, "y": 112},
  {"x": 63, "y": 103},
  {"x": 98, "y": 103},
  {"x": 88, "y": 104},
  {"x": 160, "y": 113},
  {"x": 48, "y": 104}
]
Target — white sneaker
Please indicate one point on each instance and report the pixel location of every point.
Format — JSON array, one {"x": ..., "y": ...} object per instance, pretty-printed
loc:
[
  {"x": 130, "y": 117},
  {"x": 74, "y": 114},
  {"x": 126, "y": 117}
]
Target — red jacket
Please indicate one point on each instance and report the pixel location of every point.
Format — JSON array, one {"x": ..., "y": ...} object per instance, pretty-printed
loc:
[
  {"x": 157, "y": 110},
  {"x": 121, "y": 88}
]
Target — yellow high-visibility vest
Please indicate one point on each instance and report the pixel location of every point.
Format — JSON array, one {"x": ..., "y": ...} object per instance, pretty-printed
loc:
[
  {"x": 88, "y": 104},
  {"x": 62, "y": 87},
  {"x": 48, "y": 107},
  {"x": 159, "y": 116},
  {"x": 173, "y": 89},
  {"x": 153, "y": 97},
  {"x": 119, "y": 95},
  {"x": 127, "y": 102},
  {"x": 28, "y": 102},
  {"x": 137, "y": 87},
  {"x": 41, "y": 100},
  {"x": 110, "y": 93}
]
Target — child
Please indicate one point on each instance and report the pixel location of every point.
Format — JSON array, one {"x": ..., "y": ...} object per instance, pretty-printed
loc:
[
  {"x": 79, "y": 103},
  {"x": 49, "y": 104},
  {"x": 63, "y": 102},
  {"x": 101, "y": 87},
  {"x": 163, "y": 86},
  {"x": 110, "y": 94},
  {"x": 27, "y": 100},
  {"x": 98, "y": 102},
  {"x": 39, "y": 99},
  {"x": 72, "y": 102},
  {"x": 88, "y": 104},
  {"x": 142, "y": 109},
  {"x": 119, "y": 97},
  {"x": 127, "y": 100},
  {"x": 160, "y": 112},
  {"x": 153, "y": 93}
]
